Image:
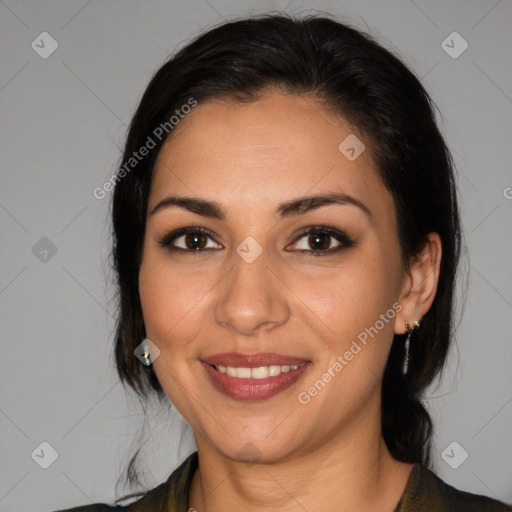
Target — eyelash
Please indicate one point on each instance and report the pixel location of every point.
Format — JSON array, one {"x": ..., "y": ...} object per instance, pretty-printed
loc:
[{"x": 344, "y": 240}]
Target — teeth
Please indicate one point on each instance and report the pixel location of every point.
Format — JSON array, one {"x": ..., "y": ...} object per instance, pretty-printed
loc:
[
  {"x": 261, "y": 372},
  {"x": 274, "y": 370},
  {"x": 243, "y": 373}
]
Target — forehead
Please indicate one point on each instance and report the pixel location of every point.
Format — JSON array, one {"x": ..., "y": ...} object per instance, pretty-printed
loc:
[{"x": 277, "y": 146}]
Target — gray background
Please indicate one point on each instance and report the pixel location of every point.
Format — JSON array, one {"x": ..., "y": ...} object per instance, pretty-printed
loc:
[{"x": 63, "y": 120}]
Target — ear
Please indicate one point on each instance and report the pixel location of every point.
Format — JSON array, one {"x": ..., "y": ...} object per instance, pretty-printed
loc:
[{"x": 419, "y": 284}]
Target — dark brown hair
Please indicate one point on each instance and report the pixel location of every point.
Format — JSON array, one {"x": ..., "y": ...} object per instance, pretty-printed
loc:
[{"x": 354, "y": 76}]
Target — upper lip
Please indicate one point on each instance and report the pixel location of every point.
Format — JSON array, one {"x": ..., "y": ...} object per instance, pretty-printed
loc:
[{"x": 251, "y": 361}]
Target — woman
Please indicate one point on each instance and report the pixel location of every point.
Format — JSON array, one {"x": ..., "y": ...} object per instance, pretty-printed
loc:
[{"x": 286, "y": 240}]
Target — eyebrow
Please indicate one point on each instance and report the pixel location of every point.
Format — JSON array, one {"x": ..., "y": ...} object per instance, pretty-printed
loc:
[{"x": 289, "y": 208}]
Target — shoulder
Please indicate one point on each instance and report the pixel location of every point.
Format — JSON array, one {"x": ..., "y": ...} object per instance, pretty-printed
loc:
[
  {"x": 425, "y": 491},
  {"x": 153, "y": 500},
  {"x": 170, "y": 496}
]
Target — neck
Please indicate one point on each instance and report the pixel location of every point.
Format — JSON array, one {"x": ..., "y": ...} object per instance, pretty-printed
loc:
[{"x": 352, "y": 472}]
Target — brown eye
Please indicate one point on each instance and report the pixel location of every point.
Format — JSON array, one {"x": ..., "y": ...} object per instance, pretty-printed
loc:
[
  {"x": 319, "y": 241},
  {"x": 322, "y": 240},
  {"x": 189, "y": 240},
  {"x": 195, "y": 241}
]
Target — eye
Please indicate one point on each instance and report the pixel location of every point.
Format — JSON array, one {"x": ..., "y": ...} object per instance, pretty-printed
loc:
[
  {"x": 322, "y": 240},
  {"x": 192, "y": 239}
]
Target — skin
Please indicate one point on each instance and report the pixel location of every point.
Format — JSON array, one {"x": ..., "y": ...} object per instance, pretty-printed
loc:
[{"x": 249, "y": 158}]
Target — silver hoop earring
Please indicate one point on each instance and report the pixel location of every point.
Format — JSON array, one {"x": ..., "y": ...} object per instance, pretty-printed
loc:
[{"x": 405, "y": 365}]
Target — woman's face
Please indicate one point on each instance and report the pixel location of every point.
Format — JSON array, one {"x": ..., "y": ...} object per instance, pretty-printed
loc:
[{"x": 267, "y": 278}]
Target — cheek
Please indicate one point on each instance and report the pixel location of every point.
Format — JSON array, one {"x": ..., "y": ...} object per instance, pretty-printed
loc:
[
  {"x": 172, "y": 301},
  {"x": 356, "y": 308},
  {"x": 353, "y": 298}
]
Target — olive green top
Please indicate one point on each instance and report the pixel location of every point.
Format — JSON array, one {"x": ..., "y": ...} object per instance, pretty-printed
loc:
[{"x": 424, "y": 492}]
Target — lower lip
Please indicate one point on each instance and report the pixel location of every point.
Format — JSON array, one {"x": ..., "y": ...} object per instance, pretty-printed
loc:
[{"x": 253, "y": 389}]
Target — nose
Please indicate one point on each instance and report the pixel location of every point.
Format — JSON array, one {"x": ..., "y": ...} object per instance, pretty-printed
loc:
[{"x": 252, "y": 298}]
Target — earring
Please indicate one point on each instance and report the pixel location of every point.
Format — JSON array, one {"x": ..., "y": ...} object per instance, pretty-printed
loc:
[
  {"x": 405, "y": 365},
  {"x": 145, "y": 348}
]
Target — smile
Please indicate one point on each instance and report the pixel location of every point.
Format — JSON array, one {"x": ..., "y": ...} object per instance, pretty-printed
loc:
[
  {"x": 253, "y": 378},
  {"x": 261, "y": 372}
]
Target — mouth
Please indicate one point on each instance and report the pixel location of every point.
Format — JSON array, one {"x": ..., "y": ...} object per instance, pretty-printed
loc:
[
  {"x": 253, "y": 378},
  {"x": 259, "y": 372}
]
